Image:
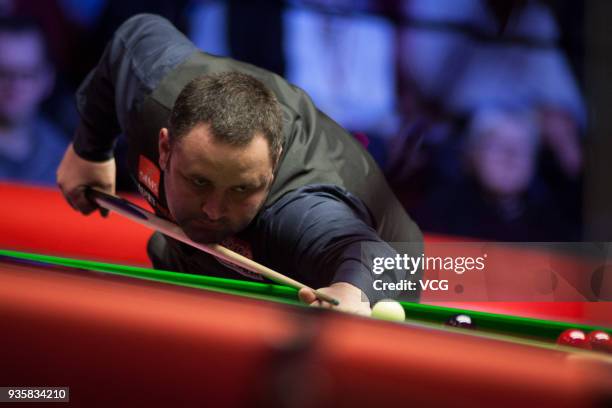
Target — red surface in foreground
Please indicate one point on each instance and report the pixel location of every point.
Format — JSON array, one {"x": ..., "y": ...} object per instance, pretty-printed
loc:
[{"x": 119, "y": 341}]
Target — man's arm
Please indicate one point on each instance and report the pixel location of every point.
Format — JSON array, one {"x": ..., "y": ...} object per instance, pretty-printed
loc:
[
  {"x": 323, "y": 237},
  {"x": 142, "y": 51}
]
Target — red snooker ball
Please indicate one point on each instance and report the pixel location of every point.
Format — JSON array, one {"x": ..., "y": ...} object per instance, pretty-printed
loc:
[
  {"x": 600, "y": 340},
  {"x": 573, "y": 338}
]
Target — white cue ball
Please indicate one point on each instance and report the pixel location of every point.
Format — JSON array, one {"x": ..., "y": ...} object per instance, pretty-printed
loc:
[{"x": 389, "y": 309}]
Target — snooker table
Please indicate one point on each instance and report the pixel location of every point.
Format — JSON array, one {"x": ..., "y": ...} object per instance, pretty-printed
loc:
[{"x": 121, "y": 335}]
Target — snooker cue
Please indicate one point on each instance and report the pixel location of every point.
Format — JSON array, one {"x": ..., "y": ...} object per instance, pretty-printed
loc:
[{"x": 148, "y": 219}]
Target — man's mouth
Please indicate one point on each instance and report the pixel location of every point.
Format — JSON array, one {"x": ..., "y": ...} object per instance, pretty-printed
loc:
[{"x": 208, "y": 225}]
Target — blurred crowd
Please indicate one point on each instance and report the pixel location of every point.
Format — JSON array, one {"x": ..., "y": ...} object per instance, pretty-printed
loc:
[{"x": 473, "y": 107}]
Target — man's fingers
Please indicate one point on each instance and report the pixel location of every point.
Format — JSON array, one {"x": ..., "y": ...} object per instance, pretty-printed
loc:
[
  {"x": 74, "y": 174},
  {"x": 72, "y": 198},
  {"x": 307, "y": 296},
  {"x": 80, "y": 202}
]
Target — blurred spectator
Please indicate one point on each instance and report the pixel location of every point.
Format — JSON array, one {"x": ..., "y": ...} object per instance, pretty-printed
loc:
[
  {"x": 31, "y": 147},
  {"x": 344, "y": 57},
  {"x": 461, "y": 54},
  {"x": 249, "y": 31},
  {"x": 64, "y": 38},
  {"x": 61, "y": 34},
  {"x": 499, "y": 198},
  {"x": 208, "y": 26}
]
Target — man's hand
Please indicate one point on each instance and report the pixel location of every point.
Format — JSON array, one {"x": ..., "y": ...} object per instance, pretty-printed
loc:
[
  {"x": 74, "y": 174},
  {"x": 351, "y": 298}
]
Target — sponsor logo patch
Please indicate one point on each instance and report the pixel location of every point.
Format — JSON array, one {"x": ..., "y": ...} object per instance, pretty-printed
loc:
[
  {"x": 148, "y": 175},
  {"x": 243, "y": 248}
]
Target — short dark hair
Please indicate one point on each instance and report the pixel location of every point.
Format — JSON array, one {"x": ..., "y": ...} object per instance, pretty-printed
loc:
[{"x": 235, "y": 105}]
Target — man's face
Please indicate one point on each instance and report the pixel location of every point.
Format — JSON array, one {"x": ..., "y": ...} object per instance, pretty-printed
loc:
[
  {"x": 25, "y": 76},
  {"x": 213, "y": 189}
]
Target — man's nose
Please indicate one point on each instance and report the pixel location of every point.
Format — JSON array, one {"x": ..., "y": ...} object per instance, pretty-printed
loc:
[{"x": 213, "y": 207}]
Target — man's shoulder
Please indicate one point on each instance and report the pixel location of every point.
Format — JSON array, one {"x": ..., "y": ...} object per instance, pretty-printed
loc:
[{"x": 316, "y": 198}]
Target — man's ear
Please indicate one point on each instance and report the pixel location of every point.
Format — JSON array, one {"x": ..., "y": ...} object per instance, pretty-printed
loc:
[
  {"x": 278, "y": 159},
  {"x": 164, "y": 148}
]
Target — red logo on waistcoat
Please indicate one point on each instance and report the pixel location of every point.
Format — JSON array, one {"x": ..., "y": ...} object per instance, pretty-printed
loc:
[
  {"x": 243, "y": 248},
  {"x": 148, "y": 174}
]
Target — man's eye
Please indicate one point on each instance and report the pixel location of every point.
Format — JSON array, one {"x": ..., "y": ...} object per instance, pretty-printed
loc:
[
  {"x": 199, "y": 182},
  {"x": 241, "y": 189}
]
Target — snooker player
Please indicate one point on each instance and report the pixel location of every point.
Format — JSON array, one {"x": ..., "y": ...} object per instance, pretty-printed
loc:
[{"x": 235, "y": 155}]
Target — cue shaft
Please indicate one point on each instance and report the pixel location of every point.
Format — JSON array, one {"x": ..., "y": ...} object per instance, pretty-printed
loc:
[{"x": 148, "y": 219}]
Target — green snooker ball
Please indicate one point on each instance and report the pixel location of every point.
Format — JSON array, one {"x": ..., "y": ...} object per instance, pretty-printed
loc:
[{"x": 389, "y": 309}]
